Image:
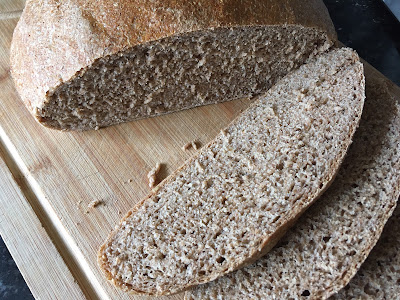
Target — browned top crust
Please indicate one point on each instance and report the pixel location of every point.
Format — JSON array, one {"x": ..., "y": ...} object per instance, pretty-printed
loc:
[{"x": 56, "y": 39}]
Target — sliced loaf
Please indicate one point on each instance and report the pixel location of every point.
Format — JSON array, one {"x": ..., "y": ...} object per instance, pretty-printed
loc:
[
  {"x": 228, "y": 205},
  {"x": 323, "y": 251},
  {"x": 82, "y": 64}
]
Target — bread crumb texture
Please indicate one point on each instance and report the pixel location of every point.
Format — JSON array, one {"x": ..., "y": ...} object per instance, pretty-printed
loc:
[
  {"x": 80, "y": 64},
  {"x": 322, "y": 252},
  {"x": 379, "y": 276},
  {"x": 226, "y": 204},
  {"x": 179, "y": 73}
]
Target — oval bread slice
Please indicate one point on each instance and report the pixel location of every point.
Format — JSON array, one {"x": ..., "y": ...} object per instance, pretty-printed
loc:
[
  {"x": 228, "y": 205},
  {"x": 323, "y": 251}
]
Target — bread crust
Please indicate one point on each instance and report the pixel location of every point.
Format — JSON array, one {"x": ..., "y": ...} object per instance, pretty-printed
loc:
[{"x": 54, "y": 41}]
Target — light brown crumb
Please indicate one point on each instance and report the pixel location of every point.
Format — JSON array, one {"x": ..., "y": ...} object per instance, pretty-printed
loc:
[
  {"x": 186, "y": 146},
  {"x": 189, "y": 145},
  {"x": 95, "y": 203},
  {"x": 152, "y": 175},
  {"x": 120, "y": 212}
]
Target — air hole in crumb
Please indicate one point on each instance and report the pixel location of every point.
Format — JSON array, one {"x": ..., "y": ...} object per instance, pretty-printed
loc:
[
  {"x": 202, "y": 273},
  {"x": 321, "y": 185},
  {"x": 305, "y": 293},
  {"x": 279, "y": 166},
  {"x": 220, "y": 259},
  {"x": 326, "y": 238},
  {"x": 223, "y": 200},
  {"x": 183, "y": 231},
  {"x": 276, "y": 219}
]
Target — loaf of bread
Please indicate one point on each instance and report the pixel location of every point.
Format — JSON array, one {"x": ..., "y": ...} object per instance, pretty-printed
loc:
[
  {"x": 228, "y": 205},
  {"x": 82, "y": 64},
  {"x": 323, "y": 251}
]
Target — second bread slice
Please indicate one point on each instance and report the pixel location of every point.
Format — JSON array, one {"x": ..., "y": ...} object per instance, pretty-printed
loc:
[{"x": 228, "y": 205}]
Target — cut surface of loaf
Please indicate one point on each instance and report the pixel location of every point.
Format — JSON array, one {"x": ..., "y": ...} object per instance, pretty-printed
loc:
[
  {"x": 80, "y": 64},
  {"x": 228, "y": 204},
  {"x": 324, "y": 249}
]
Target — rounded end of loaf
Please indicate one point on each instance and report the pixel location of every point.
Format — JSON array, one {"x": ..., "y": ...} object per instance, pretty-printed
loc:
[{"x": 57, "y": 47}]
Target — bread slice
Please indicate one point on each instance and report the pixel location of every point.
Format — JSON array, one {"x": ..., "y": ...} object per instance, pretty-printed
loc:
[
  {"x": 230, "y": 203},
  {"x": 83, "y": 64},
  {"x": 378, "y": 277},
  {"x": 323, "y": 251}
]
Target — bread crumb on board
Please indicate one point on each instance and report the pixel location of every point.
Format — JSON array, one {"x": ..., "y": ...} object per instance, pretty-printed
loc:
[
  {"x": 192, "y": 144},
  {"x": 152, "y": 175},
  {"x": 94, "y": 204},
  {"x": 78, "y": 204}
]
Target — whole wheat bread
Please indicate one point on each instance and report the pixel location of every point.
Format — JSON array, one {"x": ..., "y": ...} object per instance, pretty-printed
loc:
[
  {"x": 82, "y": 64},
  {"x": 379, "y": 275},
  {"x": 323, "y": 251},
  {"x": 228, "y": 205}
]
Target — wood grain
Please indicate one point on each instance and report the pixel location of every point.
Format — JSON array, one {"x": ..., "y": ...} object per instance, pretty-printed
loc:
[
  {"x": 29, "y": 244},
  {"x": 11, "y": 9}
]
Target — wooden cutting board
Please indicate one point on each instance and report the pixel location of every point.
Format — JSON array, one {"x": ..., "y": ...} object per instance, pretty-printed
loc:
[{"x": 50, "y": 177}]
